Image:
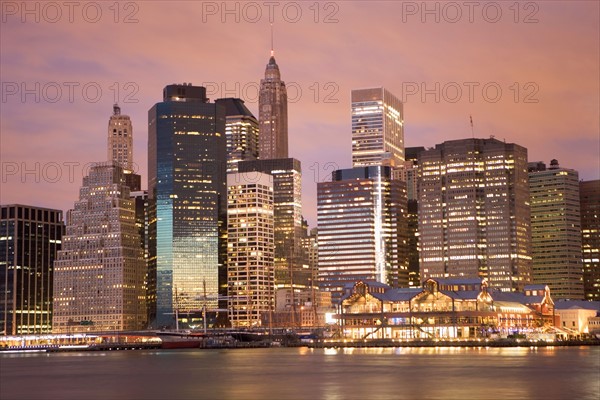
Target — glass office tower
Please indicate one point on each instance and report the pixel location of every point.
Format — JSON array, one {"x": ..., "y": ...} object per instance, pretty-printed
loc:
[
  {"x": 30, "y": 238},
  {"x": 589, "y": 192},
  {"x": 187, "y": 193},
  {"x": 362, "y": 229},
  {"x": 377, "y": 128}
]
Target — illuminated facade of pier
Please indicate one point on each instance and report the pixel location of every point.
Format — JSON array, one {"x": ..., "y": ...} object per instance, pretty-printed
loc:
[{"x": 444, "y": 309}]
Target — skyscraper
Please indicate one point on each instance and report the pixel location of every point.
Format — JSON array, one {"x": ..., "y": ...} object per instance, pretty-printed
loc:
[
  {"x": 272, "y": 114},
  {"x": 360, "y": 224},
  {"x": 120, "y": 146},
  {"x": 100, "y": 271},
  {"x": 30, "y": 238},
  {"x": 556, "y": 229},
  {"x": 241, "y": 131},
  {"x": 409, "y": 173},
  {"x": 377, "y": 128},
  {"x": 474, "y": 213},
  {"x": 250, "y": 247},
  {"x": 290, "y": 262},
  {"x": 187, "y": 192},
  {"x": 589, "y": 192},
  {"x": 120, "y": 139}
]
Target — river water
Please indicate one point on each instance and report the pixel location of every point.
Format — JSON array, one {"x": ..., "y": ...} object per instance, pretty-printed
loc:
[{"x": 301, "y": 373}]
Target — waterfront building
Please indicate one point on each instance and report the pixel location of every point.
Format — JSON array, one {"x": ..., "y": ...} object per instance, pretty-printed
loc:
[
  {"x": 272, "y": 114},
  {"x": 444, "y": 309},
  {"x": 589, "y": 192},
  {"x": 302, "y": 308},
  {"x": 361, "y": 229},
  {"x": 556, "y": 229},
  {"x": 187, "y": 196},
  {"x": 578, "y": 317},
  {"x": 377, "y": 128},
  {"x": 474, "y": 213},
  {"x": 291, "y": 268},
  {"x": 99, "y": 274},
  {"x": 30, "y": 238},
  {"x": 241, "y": 132},
  {"x": 250, "y": 249}
]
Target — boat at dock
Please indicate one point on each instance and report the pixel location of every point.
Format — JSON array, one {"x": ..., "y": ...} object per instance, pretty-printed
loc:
[{"x": 181, "y": 340}]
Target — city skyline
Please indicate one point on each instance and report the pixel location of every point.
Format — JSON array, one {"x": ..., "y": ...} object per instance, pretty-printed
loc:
[{"x": 321, "y": 60}]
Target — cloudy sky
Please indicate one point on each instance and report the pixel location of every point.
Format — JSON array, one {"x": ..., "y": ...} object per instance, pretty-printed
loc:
[{"x": 526, "y": 72}]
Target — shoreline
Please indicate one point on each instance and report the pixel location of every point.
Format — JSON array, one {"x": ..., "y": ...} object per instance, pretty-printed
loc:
[
  {"x": 453, "y": 343},
  {"x": 336, "y": 344}
]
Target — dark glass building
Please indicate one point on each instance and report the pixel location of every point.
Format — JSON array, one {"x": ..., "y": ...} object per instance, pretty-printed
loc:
[
  {"x": 241, "y": 132},
  {"x": 589, "y": 192},
  {"x": 187, "y": 196},
  {"x": 30, "y": 238}
]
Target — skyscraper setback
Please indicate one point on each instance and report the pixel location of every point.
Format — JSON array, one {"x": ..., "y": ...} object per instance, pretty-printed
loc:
[
  {"x": 272, "y": 114},
  {"x": 377, "y": 128},
  {"x": 187, "y": 196},
  {"x": 241, "y": 131},
  {"x": 120, "y": 139},
  {"x": 474, "y": 214},
  {"x": 99, "y": 273}
]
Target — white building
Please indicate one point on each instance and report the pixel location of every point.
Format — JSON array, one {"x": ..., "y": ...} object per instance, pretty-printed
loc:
[{"x": 250, "y": 248}]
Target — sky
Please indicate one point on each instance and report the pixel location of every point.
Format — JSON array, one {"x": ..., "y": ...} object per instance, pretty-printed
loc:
[{"x": 527, "y": 73}]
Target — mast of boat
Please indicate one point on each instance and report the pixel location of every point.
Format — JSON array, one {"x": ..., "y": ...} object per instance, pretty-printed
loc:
[
  {"x": 176, "y": 311},
  {"x": 204, "y": 305}
]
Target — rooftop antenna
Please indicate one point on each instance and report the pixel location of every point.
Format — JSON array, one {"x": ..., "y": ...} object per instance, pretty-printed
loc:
[
  {"x": 472, "y": 130},
  {"x": 272, "y": 51}
]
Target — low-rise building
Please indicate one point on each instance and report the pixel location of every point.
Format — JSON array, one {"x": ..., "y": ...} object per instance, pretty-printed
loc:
[
  {"x": 444, "y": 309},
  {"x": 579, "y": 317}
]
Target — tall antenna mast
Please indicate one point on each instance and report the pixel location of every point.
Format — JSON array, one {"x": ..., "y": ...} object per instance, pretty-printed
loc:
[
  {"x": 272, "y": 50},
  {"x": 472, "y": 130}
]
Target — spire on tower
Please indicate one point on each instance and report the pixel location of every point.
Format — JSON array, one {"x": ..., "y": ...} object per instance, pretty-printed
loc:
[{"x": 272, "y": 50}]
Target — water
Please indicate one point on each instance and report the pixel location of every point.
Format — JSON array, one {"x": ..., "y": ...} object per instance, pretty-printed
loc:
[{"x": 301, "y": 373}]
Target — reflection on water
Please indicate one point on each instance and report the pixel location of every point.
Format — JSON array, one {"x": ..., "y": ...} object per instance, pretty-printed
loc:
[{"x": 302, "y": 373}]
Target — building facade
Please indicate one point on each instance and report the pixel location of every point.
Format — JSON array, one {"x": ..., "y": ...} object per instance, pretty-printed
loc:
[
  {"x": 241, "y": 132},
  {"x": 409, "y": 173},
  {"x": 272, "y": 114},
  {"x": 250, "y": 249},
  {"x": 99, "y": 274},
  {"x": 377, "y": 128},
  {"x": 446, "y": 309},
  {"x": 291, "y": 268},
  {"x": 474, "y": 212},
  {"x": 361, "y": 229},
  {"x": 556, "y": 229},
  {"x": 187, "y": 196},
  {"x": 120, "y": 139},
  {"x": 589, "y": 192},
  {"x": 30, "y": 238}
]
